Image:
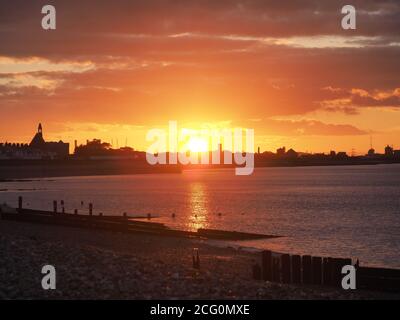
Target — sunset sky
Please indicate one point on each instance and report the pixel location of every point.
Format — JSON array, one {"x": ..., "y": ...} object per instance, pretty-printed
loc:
[{"x": 115, "y": 69}]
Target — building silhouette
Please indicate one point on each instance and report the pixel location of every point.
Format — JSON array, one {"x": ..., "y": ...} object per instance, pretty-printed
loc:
[
  {"x": 281, "y": 151},
  {"x": 99, "y": 150},
  {"x": 37, "y": 149},
  {"x": 291, "y": 154},
  {"x": 38, "y": 141},
  {"x": 389, "y": 151}
]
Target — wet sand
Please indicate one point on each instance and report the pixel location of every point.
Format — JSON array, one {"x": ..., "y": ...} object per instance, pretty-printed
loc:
[{"x": 94, "y": 264}]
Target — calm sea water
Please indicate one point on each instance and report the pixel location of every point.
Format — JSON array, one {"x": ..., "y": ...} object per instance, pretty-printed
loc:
[{"x": 348, "y": 211}]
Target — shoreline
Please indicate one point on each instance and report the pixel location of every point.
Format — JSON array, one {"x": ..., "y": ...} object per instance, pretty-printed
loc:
[
  {"x": 35, "y": 169},
  {"x": 92, "y": 264},
  {"x": 25, "y": 170}
]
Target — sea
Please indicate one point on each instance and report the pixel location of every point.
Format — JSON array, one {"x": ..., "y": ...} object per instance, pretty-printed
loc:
[{"x": 333, "y": 211}]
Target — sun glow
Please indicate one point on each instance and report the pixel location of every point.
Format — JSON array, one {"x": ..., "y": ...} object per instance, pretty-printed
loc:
[{"x": 197, "y": 144}]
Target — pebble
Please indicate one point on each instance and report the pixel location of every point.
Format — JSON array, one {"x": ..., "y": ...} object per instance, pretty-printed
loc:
[{"x": 92, "y": 272}]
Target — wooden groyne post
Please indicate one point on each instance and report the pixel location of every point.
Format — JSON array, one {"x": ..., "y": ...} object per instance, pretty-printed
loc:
[
  {"x": 266, "y": 265},
  {"x": 276, "y": 274},
  {"x": 296, "y": 269},
  {"x": 316, "y": 267},
  {"x": 327, "y": 274},
  {"x": 256, "y": 272},
  {"x": 306, "y": 268},
  {"x": 90, "y": 209},
  {"x": 54, "y": 206},
  {"x": 285, "y": 262},
  {"x": 337, "y": 266}
]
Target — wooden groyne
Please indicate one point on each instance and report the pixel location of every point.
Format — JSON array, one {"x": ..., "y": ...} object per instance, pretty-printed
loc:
[
  {"x": 323, "y": 271},
  {"x": 122, "y": 223}
]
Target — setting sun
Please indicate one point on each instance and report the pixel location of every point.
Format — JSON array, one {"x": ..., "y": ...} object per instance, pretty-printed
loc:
[{"x": 197, "y": 144}]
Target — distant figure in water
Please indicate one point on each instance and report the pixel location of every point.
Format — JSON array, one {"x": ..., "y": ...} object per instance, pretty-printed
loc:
[
  {"x": 173, "y": 215},
  {"x": 82, "y": 203}
]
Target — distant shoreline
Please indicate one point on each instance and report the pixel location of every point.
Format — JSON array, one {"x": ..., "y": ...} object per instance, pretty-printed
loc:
[
  {"x": 13, "y": 171},
  {"x": 33, "y": 169}
]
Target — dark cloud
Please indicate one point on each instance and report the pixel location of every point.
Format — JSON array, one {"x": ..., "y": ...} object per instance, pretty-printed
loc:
[
  {"x": 204, "y": 57},
  {"x": 348, "y": 100},
  {"x": 262, "y": 17},
  {"x": 306, "y": 127}
]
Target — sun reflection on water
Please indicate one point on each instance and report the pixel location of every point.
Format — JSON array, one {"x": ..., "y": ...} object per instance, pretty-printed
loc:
[{"x": 198, "y": 203}]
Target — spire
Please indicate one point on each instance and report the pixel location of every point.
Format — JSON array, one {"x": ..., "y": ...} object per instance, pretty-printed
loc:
[{"x": 38, "y": 140}]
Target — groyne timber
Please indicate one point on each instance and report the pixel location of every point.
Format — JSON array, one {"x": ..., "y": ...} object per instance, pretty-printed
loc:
[{"x": 122, "y": 223}]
